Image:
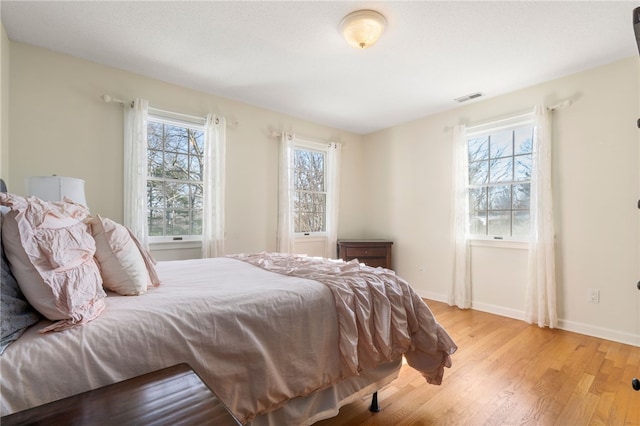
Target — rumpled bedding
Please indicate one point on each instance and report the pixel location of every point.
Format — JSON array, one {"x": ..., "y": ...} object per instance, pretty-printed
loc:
[
  {"x": 259, "y": 339},
  {"x": 380, "y": 317}
]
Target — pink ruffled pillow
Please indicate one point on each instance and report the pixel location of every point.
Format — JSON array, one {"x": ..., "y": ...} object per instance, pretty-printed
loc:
[{"x": 51, "y": 253}]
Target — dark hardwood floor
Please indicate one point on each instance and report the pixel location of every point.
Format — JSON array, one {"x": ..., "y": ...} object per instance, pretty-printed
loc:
[{"x": 507, "y": 372}]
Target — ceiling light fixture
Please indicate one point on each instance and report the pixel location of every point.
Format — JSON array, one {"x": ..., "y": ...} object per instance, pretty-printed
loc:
[{"x": 362, "y": 28}]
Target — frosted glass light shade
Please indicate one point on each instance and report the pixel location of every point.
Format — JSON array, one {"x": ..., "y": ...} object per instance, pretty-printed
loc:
[
  {"x": 362, "y": 28},
  {"x": 55, "y": 188}
]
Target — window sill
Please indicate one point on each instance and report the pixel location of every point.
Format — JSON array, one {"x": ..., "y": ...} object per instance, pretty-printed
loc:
[
  {"x": 311, "y": 237},
  {"x": 491, "y": 243},
  {"x": 174, "y": 245}
]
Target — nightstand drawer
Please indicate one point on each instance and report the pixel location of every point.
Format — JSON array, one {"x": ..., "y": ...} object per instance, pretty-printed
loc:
[
  {"x": 365, "y": 252},
  {"x": 375, "y": 253},
  {"x": 374, "y": 262}
]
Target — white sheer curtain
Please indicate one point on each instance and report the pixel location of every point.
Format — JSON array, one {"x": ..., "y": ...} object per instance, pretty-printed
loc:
[
  {"x": 135, "y": 169},
  {"x": 286, "y": 237},
  {"x": 213, "y": 226},
  {"x": 540, "y": 302},
  {"x": 333, "y": 199},
  {"x": 460, "y": 291}
]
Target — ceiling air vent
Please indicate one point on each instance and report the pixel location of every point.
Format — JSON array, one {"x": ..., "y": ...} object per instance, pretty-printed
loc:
[{"x": 468, "y": 97}]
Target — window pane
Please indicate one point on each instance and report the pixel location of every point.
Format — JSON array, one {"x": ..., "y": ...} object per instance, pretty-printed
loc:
[
  {"x": 319, "y": 202},
  {"x": 176, "y": 139},
  {"x": 311, "y": 222},
  {"x": 196, "y": 222},
  {"x": 320, "y": 222},
  {"x": 177, "y": 222},
  {"x": 155, "y": 194},
  {"x": 196, "y": 142},
  {"x": 478, "y": 199},
  {"x": 523, "y": 140},
  {"x": 177, "y": 195},
  {"x": 302, "y": 222},
  {"x": 521, "y": 196},
  {"x": 500, "y": 197},
  {"x": 176, "y": 166},
  {"x": 478, "y": 148},
  {"x": 156, "y": 222},
  {"x": 501, "y": 170},
  {"x": 479, "y": 173},
  {"x": 155, "y": 163},
  {"x": 196, "y": 196},
  {"x": 308, "y": 170},
  {"x": 500, "y": 223},
  {"x": 521, "y": 223},
  {"x": 501, "y": 144},
  {"x": 309, "y": 212},
  {"x": 302, "y": 202},
  {"x": 478, "y": 223},
  {"x": 155, "y": 136},
  {"x": 522, "y": 170},
  {"x": 196, "y": 168}
]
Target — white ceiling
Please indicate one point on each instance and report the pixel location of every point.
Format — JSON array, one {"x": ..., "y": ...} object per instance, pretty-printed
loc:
[{"x": 288, "y": 56}]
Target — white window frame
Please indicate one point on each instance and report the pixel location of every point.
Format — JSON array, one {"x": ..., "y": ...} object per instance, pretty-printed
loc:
[
  {"x": 180, "y": 120},
  {"x": 476, "y": 131},
  {"x": 324, "y": 149}
]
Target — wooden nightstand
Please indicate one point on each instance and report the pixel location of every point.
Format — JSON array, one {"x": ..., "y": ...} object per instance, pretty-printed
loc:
[
  {"x": 173, "y": 395},
  {"x": 370, "y": 252}
]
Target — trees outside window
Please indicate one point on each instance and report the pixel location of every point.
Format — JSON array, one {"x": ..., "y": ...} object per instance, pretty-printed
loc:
[
  {"x": 175, "y": 166},
  {"x": 309, "y": 190},
  {"x": 500, "y": 182}
]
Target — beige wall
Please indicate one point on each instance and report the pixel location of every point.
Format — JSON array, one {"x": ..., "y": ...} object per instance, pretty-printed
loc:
[
  {"x": 596, "y": 175},
  {"x": 59, "y": 125},
  {"x": 4, "y": 104}
]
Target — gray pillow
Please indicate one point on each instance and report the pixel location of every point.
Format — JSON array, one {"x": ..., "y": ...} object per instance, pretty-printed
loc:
[{"x": 16, "y": 314}]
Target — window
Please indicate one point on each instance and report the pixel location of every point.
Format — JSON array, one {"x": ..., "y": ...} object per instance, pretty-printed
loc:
[
  {"x": 175, "y": 166},
  {"x": 500, "y": 181},
  {"x": 309, "y": 188}
]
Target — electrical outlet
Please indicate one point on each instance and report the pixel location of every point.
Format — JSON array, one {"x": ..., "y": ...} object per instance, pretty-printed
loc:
[{"x": 593, "y": 295}]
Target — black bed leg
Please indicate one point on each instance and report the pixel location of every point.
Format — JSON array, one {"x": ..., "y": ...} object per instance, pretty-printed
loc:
[{"x": 374, "y": 407}]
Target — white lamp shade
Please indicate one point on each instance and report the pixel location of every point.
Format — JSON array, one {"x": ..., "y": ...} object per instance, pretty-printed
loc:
[{"x": 55, "y": 188}]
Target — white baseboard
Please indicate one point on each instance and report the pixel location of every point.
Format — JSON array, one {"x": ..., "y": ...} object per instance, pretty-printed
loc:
[{"x": 573, "y": 326}]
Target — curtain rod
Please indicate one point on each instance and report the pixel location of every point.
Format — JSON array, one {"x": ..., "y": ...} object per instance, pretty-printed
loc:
[
  {"x": 562, "y": 104},
  {"x": 108, "y": 99},
  {"x": 276, "y": 134},
  {"x": 496, "y": 121}
]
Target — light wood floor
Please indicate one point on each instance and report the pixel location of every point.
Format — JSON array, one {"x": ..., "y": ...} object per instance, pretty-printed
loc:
[{"x": 507, "y": 372}]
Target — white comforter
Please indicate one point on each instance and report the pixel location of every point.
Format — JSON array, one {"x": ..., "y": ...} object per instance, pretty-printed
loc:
[{"x": 257, "y": 338}]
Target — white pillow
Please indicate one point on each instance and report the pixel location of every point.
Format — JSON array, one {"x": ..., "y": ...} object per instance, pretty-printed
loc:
[
  {"x": 121, "y": 264},
  {"x": 51, "y": 253}
]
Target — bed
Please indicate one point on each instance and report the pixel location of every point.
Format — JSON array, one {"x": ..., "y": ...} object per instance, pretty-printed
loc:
[{"x": 281, "y": 339}]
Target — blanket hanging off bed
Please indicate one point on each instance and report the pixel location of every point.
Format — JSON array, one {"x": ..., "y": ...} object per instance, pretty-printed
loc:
[{"x": 380, "y": 316}]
